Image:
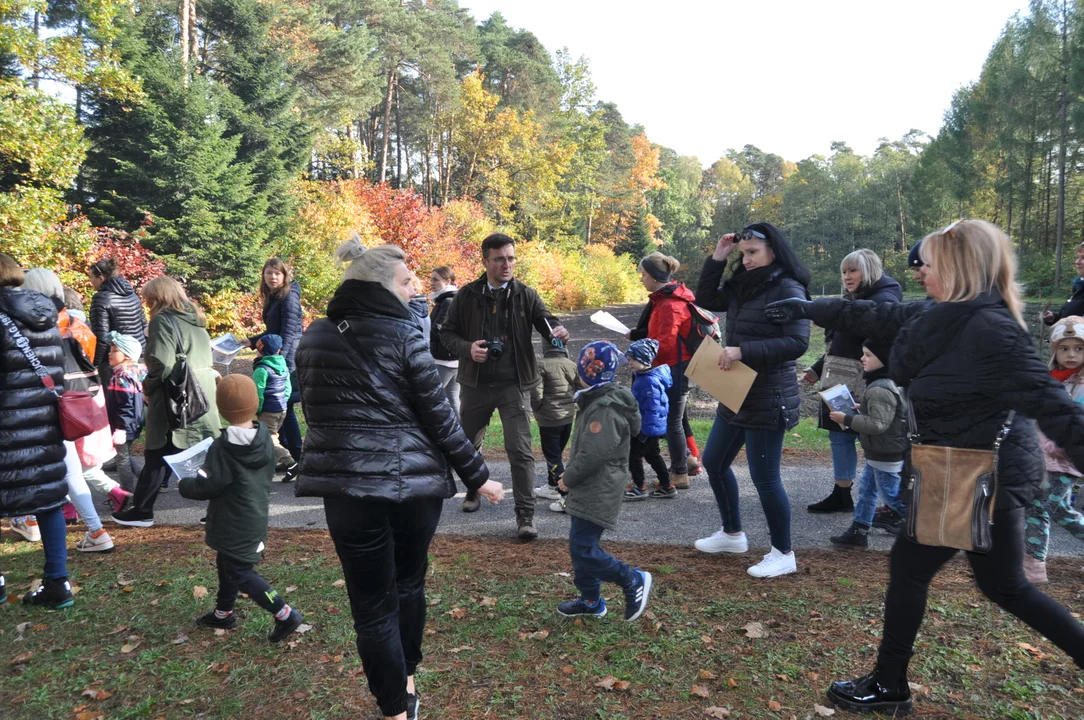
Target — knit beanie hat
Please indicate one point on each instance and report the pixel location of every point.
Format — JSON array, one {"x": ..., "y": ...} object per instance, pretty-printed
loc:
[
  {"x": 643, "y": 351},
  {"x": 880, "y": 349},
  {"x": 126, "y": 344},
  {"x": 269, "y": 344},
  {"x": 236, "y": 399},
  {"x": 914, "y": 259},
  {"x": 1070, "y": 327},
  {"x": 598, "y": 362}
]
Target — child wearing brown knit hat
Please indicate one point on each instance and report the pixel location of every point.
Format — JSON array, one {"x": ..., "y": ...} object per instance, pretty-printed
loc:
[{"x": 236, "y": 479}]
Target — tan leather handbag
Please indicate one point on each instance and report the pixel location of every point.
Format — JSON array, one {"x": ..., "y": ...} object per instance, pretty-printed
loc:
[{"x": 950, "y": 492}]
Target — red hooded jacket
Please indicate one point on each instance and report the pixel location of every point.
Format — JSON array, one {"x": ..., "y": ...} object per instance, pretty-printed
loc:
[{"x": 668, "y": 318}]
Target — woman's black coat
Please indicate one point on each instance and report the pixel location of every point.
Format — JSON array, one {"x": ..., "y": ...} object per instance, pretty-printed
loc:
[
  {"x": 116, "y": 307},
  {"x": 770, "y": 349},
  {"x": 965, "y": 365},
  {"x": 389, "y": 434},
  {"x": 32, "y": 451},
  {"x": 282, "y": 317}
]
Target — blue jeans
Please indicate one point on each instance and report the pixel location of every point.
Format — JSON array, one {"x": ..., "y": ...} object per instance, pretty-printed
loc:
[
  {"x": 592, "y": 564},
  {"x": 872, "y": 482},
  {"x": 764, "y": 450},
  {"x": 844, "y": 455},
  {"x": 54, "y": 542}
]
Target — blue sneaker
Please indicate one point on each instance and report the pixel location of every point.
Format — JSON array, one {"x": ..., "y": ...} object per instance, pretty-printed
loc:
[
  {"x": 579, "y": 606},
  {"x": 637, "y": 594}
]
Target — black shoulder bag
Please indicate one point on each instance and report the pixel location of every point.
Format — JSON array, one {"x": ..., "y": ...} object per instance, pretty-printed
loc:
[{"x": 185, "y": 399}]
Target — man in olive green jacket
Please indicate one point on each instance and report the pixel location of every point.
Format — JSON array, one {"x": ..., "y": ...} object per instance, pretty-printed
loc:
[
  {"x": 595, "y": 480},
  {"x": 500, "y": 375}
]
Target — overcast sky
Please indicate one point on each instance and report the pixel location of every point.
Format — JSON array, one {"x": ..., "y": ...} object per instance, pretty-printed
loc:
[{"x": 789, "y": 76}]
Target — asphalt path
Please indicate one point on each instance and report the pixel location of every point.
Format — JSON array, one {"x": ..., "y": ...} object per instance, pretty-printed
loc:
[{"x": 693, "y": 514}]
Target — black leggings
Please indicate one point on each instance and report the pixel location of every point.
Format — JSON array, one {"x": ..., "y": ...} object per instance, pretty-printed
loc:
[
  {"x": 155, "y": 472},
  {"x": 999, "y": 575},
  {"x": 236, "y": 577},
  {"x": 647, "y": 449}
]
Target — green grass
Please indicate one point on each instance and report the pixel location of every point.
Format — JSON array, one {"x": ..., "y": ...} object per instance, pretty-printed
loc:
[{"x": 494, "y": 645}]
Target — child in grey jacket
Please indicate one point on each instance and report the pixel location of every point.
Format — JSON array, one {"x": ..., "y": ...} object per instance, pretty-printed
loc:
[
  {"x": 881, "y": 424},
  {"x": 595, "y": 481}
]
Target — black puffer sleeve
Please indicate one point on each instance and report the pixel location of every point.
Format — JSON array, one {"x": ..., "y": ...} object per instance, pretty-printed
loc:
[
  {"x": 436, "y": 416},
  {"x": 708, "y": 293},
  {"x": 879, "y": 321}
]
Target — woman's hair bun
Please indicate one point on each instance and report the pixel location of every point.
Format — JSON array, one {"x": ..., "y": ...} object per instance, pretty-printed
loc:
[{"x": 350, "y": 250}]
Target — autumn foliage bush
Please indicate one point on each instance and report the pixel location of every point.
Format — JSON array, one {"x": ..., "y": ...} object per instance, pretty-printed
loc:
[{"x": 573, "y": 279}]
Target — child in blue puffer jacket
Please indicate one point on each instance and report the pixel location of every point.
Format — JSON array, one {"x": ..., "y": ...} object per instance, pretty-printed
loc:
[{"x": 649, "y": 386}]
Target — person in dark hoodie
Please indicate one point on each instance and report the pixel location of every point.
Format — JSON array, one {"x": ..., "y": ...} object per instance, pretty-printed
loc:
[
  {"x": 380, "y": 450},
  {"x": 282, "y": 316},
  {"x": 554, "y": 406},
  {"x": 881, "y": 422},
  {"x": 769, "y": 270},
  {"x": 32, "y": 468},
  {"x": 1075, "y": 304},
  {"x": 177, "y": 326},
  {"x": 967, "y": 360},
  {"x": 863, "y": 279},
  {"x": 236, "y": 479},
  {"x": 596, "y": 477},
  {"x": 115, "y": 307}
]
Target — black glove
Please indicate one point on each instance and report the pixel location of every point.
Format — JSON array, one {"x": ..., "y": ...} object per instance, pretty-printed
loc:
[{"x": 782, "y": 312}]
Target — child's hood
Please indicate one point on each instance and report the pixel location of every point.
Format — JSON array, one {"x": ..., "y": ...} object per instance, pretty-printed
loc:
[
  {"x": 275, "y": 362},
  {"x": 610, "y": 396},
  {"x": 258, "y": 452},
  {"x": 662, "y": 372}
]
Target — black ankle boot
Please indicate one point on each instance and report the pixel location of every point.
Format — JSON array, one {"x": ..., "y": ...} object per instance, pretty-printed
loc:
[
  {"x": 839, "y": 501},
  {"x": 54, "y": 594},
  {"x": 866, "y": 694},
  {"x": 856, "y": 536}
]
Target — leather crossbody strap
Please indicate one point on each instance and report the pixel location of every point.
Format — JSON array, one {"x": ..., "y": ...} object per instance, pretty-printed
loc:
[{"x": 28, "y": 352}]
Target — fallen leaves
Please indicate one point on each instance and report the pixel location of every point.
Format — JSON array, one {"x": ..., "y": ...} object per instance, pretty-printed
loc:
[
  {"x": 95, "y": 694},
  {"x": 89, "y": 715},
  {"x": 732, "y": 683},
  {"x": 717, "y": 712},
  {"x": 128, "y": 647},
  {"x": 21, "y": 659},
  {"x": 823, "y": 711},
  {"x": 568, "y": 670},
  {"x": 339, "y": 583},
  {"x": 462, "y": 648},
  {"x": 754, "y": 630},
  {"x": 540, "y": 635},
  {"x": 457, "y": 613},
  {"x": 181, "y": 639},
  {"x": 700, "y": 691},
  {"x": 291, "y": 588},
  {"x": 611, "y": 683},
  {"x": 1031, "y": 650},
  {"x": 489, "y": 602},
  {"x": 39, "y": 627},
  {"x": 706, "y": 675},
  {"x": 303, "y": 628},
  {"x": 199, "y": 592},
  {"x": 775, "y": 705}
]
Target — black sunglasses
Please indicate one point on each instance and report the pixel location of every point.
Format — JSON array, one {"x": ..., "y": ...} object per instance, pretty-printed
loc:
[{"x": 749, "y": 234}]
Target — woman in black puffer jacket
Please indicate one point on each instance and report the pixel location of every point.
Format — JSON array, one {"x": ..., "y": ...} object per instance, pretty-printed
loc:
[
  {"x": 32, "y": 468},
  {"x": 863, "y": 279},
  {"x": 967, "y": 360},
  {"x": 380, "y": 450},
  {"x": 769, "y": 271},
  {"x": 114, "y": 307}
]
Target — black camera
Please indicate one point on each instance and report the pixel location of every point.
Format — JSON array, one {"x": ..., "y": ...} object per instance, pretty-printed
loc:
[{"x": 495, "y": 348}]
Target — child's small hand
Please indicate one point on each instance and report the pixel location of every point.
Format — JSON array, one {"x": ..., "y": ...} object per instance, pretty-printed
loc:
[
  {"x": 492, "y": 491},
  {"x": 561, "y": 486},
  {"x": 119, "y": 437},
  {"x": 837, "y": 417}
]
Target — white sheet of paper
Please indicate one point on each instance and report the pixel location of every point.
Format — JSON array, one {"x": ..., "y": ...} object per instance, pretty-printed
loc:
[
  {"x": 188, "y": 462},
  {"x": 609, "y": 322}
]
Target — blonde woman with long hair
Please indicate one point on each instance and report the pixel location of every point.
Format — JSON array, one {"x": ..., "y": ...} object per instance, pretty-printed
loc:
[
  {"x": 967, "y": 360},
  {"x": 177, "y": 325}
]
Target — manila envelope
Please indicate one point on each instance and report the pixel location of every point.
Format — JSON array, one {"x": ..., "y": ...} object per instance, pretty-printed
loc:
[{"x": 727, "y": 386}]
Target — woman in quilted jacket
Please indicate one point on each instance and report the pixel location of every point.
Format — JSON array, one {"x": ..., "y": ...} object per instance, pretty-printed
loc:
[
  {"x": 967, "y": 360},
  {"x": 382, "y": 443},
  {"x": 114, "y": 307},
  {"x": 32, "y": 466}
]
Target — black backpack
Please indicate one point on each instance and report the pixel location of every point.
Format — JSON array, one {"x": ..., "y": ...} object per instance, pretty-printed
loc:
[
  {"x": 705, "y": 324},
  {"x": 185, "y": 399}
]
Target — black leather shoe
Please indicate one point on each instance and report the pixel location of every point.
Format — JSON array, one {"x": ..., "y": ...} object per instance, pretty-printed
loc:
[
  {"x": 839, "y": 501},
  {"x": 866, "y": 695},
  {"x": 856, "y": 536}
]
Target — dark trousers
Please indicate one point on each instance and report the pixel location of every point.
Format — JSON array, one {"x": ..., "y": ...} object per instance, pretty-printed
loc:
[
  {"x": 554, "y": 440},
  {"x": 591, "y": 563},
  {"x": 678, "y": 394},
  {"x": 290, "y": 433},
  {"x": 647, "y": 449},
  {"x": 384, "y": 551},
  {"x": 764, "y": 451},
  {"x": 999, "y": 575},
  {"x": 155, "y": 472},
  {"x": 236, "y": 577},
  {"x": 54, "y": 543},
  {"x": 476, "y": 406}
]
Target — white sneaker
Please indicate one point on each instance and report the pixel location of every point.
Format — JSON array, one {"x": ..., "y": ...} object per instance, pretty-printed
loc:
[
  {"x": 89, "y": 543},
  {"x": 548, "y": 492},
  {"x": 27, "y": 526},
  {"x": 558, "y": 506},
  {"x": 721, "y": 542},
  {"x": 775, "y": 564}
]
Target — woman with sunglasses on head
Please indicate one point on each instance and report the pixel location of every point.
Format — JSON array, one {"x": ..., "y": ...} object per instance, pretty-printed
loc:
[
  {"x": 769, "y": 271},
  {"x": 967, "y": 360}
]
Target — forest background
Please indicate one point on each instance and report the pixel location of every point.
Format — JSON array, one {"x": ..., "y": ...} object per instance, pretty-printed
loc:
[{"x": 201, "y": 137}]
